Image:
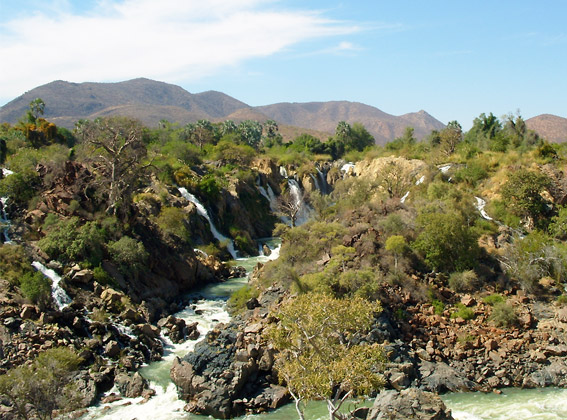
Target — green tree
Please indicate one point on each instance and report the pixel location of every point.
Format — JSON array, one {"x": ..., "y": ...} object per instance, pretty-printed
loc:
[
  {"x": 397, "y": 245},
  {"x": 450, "y": 137},
  {"x": 522, "y": 194},
  {"x": 447, "y": 242},
  {"x": 317, "y": 358},
  {"x": 250, "y": 132}
]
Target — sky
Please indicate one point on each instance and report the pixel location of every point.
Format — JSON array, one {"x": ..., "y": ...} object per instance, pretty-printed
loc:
[{"x": 454, "y": 59}]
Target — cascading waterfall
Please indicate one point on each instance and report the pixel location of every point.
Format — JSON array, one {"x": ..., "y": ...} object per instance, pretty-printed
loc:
[
  {"x": 60, "y": 297},
  {"x": 297, "y": 195},
  {"x": 480, "y": 204},
  {"x": 323, "y": 178},
  {"x": 4, "y": 221},
  {"x": 316, "y": 183},
  {"x": 203, "y": 212},
  {"x": 347, "y": 168}
]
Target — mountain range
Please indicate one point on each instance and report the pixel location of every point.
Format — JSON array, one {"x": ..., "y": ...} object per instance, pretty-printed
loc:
[{"x": 151, "y": 101}]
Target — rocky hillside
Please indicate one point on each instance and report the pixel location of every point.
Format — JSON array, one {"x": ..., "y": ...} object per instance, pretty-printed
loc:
[
  {"x": 550, "y": 127},
  {"x": 150, "y": 102}
]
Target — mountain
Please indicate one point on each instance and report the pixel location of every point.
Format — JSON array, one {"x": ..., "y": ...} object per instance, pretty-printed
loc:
[
  {"x": 147, "y": 100},
  {"x": 151, "y": 101},
  {"x": 550, "y": 127},
  {"x": 323, "y": 116}
]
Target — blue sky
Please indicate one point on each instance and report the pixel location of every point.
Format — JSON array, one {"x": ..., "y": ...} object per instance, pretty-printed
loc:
[{"x": 454, "y": 59}]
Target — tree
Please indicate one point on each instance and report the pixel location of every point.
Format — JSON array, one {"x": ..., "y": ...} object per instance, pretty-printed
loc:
[
  {"x": 317, "y": 358},
  {"x": 36, "y": 109},
  {"x": 289, "y": 205},
  {"x": 447, "y": 242},
  {"x": 228, "y": 127},
  {"x": 251, "y": 132},
  {"x": 450, "y": 137},
  {"x": 397, "y": 245},
  {"x": 343, "y": 131},
  {"x": 117, "y": 149},
  {"x": 522, "y": 194}
]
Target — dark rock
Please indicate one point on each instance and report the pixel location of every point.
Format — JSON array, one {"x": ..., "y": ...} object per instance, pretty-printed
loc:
[
  {"x": 410, "y": 403},
  {"x": 112, "y": 349},
  {"x": 130, "y": 386},
  {"x": 192, "y": 331},
  {"x": 252, "y": 303},
  {"x": 83, "y": 276},
  {"x": 440, "y": 378}
]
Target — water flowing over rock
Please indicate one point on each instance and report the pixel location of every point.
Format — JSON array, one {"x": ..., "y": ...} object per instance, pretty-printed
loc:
[
  {"x": 204, "y": 213},
  {"x": 60, "y": 297}
]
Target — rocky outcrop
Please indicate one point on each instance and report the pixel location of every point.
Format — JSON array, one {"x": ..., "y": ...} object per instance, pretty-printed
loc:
[
  {"x": 408, "y": 404},
  {"x": 231, "y": 371}
]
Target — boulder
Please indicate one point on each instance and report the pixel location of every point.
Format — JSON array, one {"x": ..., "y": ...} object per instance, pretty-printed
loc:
[
  {"x": 410, "y": 403},
  {"x": 83, "y": 276},
  {"x": 440, "y": 378},
  {"x": 130, "y": 386}
]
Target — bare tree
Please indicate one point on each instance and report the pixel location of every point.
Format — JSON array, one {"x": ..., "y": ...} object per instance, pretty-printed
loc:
[{"x": 116, "y": 149}]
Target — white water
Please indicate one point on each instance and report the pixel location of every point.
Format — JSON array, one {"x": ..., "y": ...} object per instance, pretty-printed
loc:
[
  {"x": 420, "y": 180},
  {"x": 480, "y": 204},
  {"x": 512, "y": 404},
  {"x": 316, "y": 183},
  {"x": 403, "y": 199},
  {"x": 203, "y": 212},
  {"x": 347, "y": 168},
  {"x": 3, "y": 215},
  {"x": 445, "y": 168},
  {"x": 60, "y": 297},
  {"x": 297, "y": 195},
  {"x": 323, "y": 179}
]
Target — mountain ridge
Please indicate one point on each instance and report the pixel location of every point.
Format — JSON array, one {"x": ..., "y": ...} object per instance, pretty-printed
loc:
[{"x": 152, "y": 101}]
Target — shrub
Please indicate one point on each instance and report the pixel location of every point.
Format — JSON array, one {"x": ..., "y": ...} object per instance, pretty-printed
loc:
[
  {"x": 463, "y": 312},
  {"x": 494, "y": 299},
  {"x": 237, "y": 301},
  {"x": 13, "y": 263},
  {"x": 102, "y": 277},
  {"x": 503, "y": 315},
  {"x": 465, "y": 281},
  {"x": 562, "y": 300},
  {"x": 129, "y": 253},
  {"x": 438, "y": 306},
  {"x": 35, "y": 287},
  {"x": 171, "y": 220}
]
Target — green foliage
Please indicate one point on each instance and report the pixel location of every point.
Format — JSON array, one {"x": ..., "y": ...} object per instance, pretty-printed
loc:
[
  {"x": 171, "y": 220},
  {"x": 102, "y": 277},
  {"x": 466, "y": 281},
  {"x": 522, "y": 194},
  {"x": 128, "y": 253},
  {"x": 43, "y": 386},
  {"x": 493, "y": 299},
  {"x": 438, "y": 306},
  {"x": 68, "y": 240},
  {"x": 562, "y": 300},
  {"x": 20, "y": 187},
  {"x": 503, "y": 315},
  {"x": 14, "y": 263},
  {"x": 463, "y": 312},
  {"x": 471, "y": 174},
  {"x": 446, "y": 242},
  {"x": 317, "y": 358},
  {"x": 35, "y": 287},
  {"x": 558, "y": 226},
  {"x": 237, "y": 301},
  {"x": 229, "y": 152}
]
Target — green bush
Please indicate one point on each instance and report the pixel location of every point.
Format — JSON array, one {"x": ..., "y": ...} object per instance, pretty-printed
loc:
[
  {"x": 463, "y": 312},
  {"x": 128, "y": 253},
  {"x": 503, "y": 315},
  {"x": 14, "y": 263},
  {"x": 35, "y": 287},
  {"x": 465, "y": 281},
  {"x": 171, "y": 220},
  {"x": 102, "y": 277},
  {"x": 438, "y": 306},
  {"x": 494, "y": 299},
  {"x": 237, "y": 301}
]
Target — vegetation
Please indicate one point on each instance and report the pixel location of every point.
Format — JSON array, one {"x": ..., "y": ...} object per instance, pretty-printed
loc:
[{"x": 315, "y": 362}]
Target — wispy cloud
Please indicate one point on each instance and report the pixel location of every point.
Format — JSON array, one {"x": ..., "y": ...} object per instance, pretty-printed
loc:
[{"x": 172, "y": 40}]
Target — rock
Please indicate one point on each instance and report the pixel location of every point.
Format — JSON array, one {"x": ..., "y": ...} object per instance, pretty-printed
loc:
[
  {"x": 266, "y": 250},
  {"x": 192, "y": 331},
  {"x": 130, "y": 386},
  {"x": 440, "y": 378},
  {"x": 112, "y": 349},
  {"x": 111, "y": 296},
  {"x": 562, "y": 315},
  {"x": 28, "y": 312},
  {"x": 83, "y": 276},
  {"x": 252, "y": 303},
  {"x": 468, "y": 301},
  {"x": 410, "y": 403}
]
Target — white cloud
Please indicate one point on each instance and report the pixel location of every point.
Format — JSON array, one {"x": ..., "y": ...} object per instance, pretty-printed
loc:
[{"x": 171, "y": 40}]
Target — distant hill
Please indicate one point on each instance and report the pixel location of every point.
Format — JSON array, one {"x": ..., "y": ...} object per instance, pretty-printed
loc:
[
  {"x": 550, "y": 127},
  {"x": 151, "y": 101}
]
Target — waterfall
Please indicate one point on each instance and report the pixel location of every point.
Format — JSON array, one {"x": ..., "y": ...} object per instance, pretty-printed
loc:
[
  {"x": 403, "y": 199},
  {"x": 60, "y": 297},
  {"x": 203, "y": 212},
  {"x": 420, "y": 180},
  {"x": 4, "y": 221},
  {"x": 283, "y": 172},
  {"x": 323, "y": 178},
  {"x": 445, "y": 168},
  {"x": 296, "y": 194},
  {"x": 347, "y": 168},
  {"x": 316, "y": 182},
  {"x": 480, "y": 204}
]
